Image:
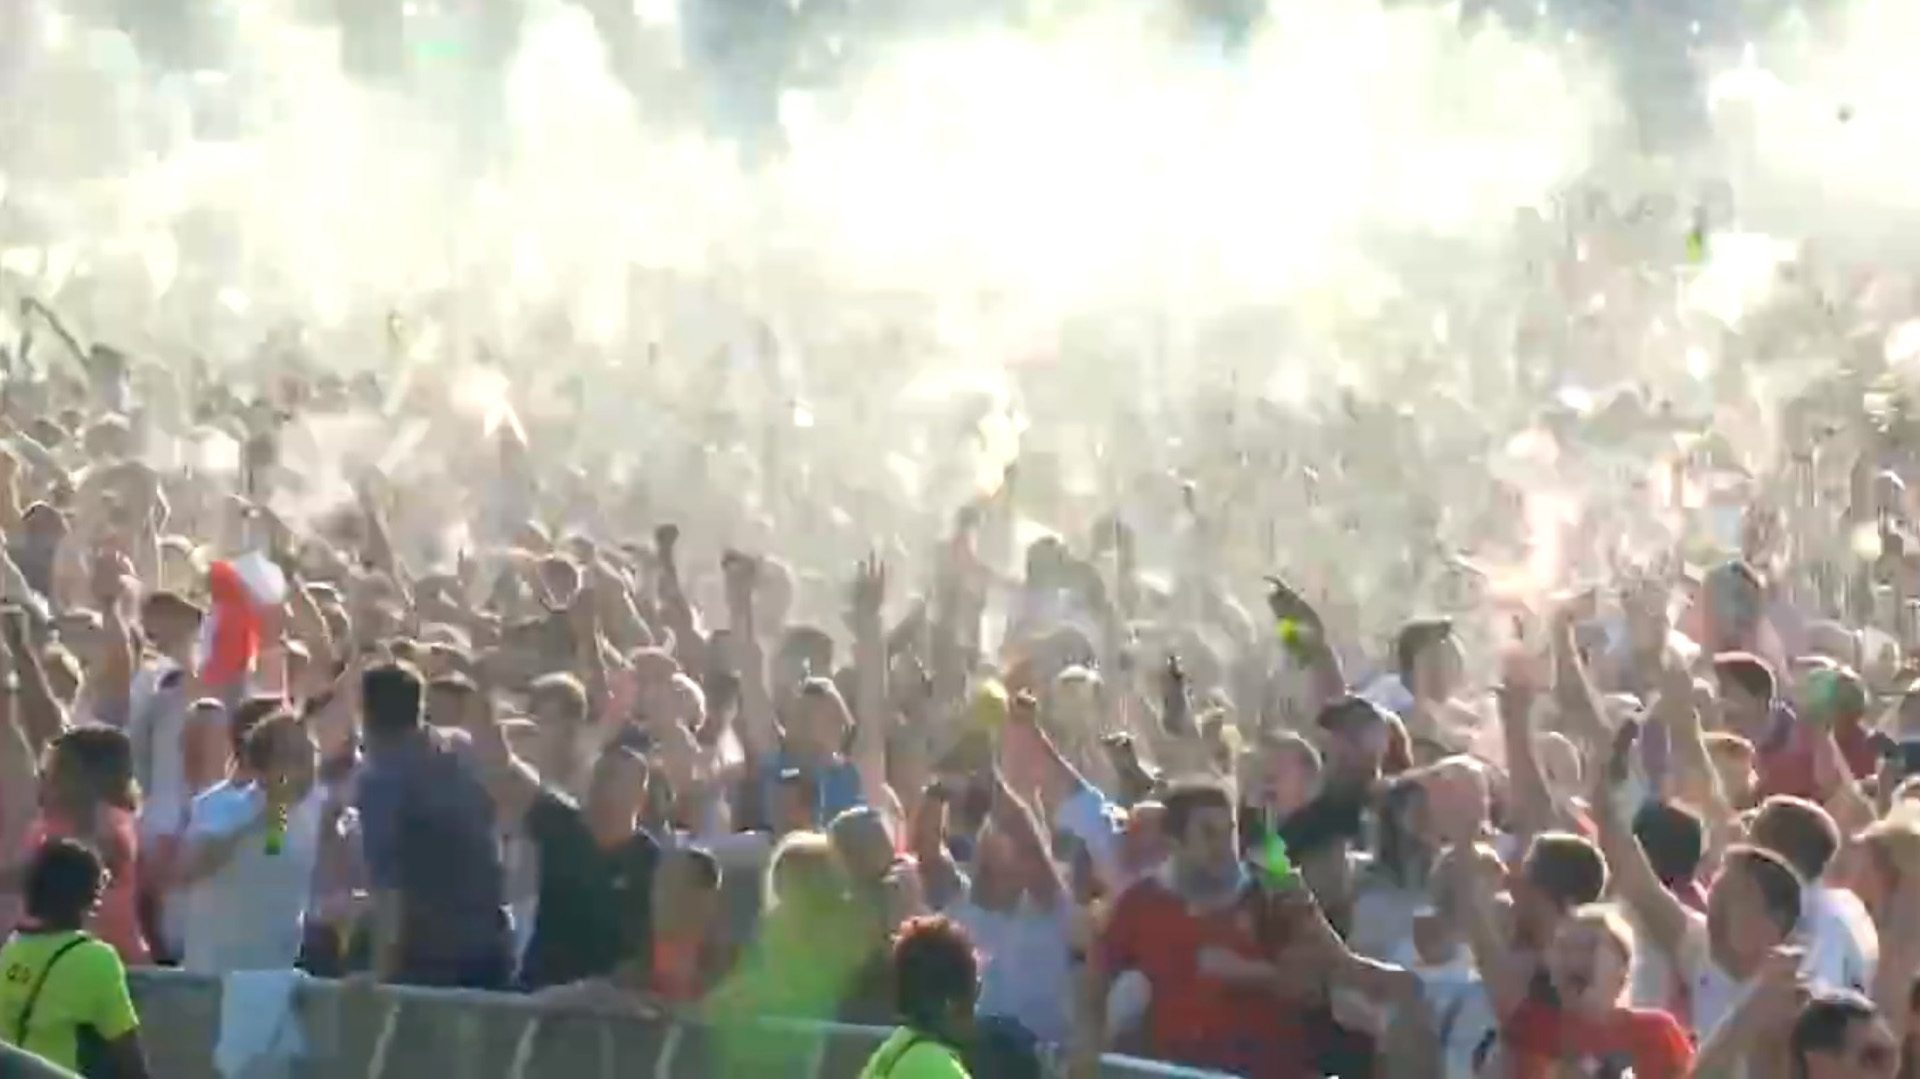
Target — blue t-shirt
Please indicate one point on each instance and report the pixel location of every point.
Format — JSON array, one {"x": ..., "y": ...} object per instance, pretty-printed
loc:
[
  {"x": 428, "y": 832},
  {"x": 836, "y": 787}
]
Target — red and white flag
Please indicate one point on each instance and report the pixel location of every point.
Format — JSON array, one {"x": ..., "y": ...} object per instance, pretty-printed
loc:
[{"x": 241, "y": 591}]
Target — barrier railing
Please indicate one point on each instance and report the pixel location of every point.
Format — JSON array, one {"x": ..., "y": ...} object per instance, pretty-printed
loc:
[
  {"x": 402, "y": 1032},
  {"x": 16, "y": 1064}
]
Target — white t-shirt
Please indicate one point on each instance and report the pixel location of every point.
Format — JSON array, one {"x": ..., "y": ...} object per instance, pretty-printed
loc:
[
  {"x": 1027, "y": 964},
  {"x": 1383, "y": 916},
  {"x": 1712, "y": 992},
  {"x": 156, "y": 724},
  {"x": 1842, "y": 945},
  {"x": 248, "y": 914},
  {"x": 1095, "y": 822},
  {"x": 1652, "y": 981},
  {"x": 1462, "y": 1014},
  {"x": 1834, "y": 958}
]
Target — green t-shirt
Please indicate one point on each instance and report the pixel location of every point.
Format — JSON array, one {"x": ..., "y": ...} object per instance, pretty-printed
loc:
[
  {"x": 907, "y": 1055},
  {"x": 86, "y": 988}
]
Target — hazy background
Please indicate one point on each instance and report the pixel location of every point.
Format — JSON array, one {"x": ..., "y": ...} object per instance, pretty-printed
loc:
[{"x": 1398, "y": 288}]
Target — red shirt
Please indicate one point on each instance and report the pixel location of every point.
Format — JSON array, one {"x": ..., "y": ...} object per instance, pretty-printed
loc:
[
  {"x": 1787, "y": 767},
  {"x": 1193, "y": 1019},
  {"x": 117, "y": 838},
  {"x": 1539, "y": 1038},
  {"x": 1857, "y": 747}
]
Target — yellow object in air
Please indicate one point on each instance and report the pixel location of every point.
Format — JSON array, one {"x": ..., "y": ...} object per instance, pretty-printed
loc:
[
  {"x": 990, "y": 703},
  {"x": 1697, "y": 245}
]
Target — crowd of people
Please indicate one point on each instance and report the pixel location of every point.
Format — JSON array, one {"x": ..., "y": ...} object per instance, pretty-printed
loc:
[
  {"x": 1679, "y": 840},
  {"x": 510, "y": 669}
]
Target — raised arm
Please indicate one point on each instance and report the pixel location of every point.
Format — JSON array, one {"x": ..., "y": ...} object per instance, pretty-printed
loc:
[
  {"x": 1661, "y": 914},
  {"x": 620, "y": 620},
  {"x": 110, "y": 680},
  {"x": 41, "y": 713},
  {"x": 305, "y": 622},
  {"x": 675, "y": 610},
  {"x": 1015, "y": 821},
  {"x": 928, "y": 839},
  {"x": 379, "y": 549},
  {"x": 872, "y": 709},
  {"x": 1080, "y": 808},
  {"x": 759, "y": 727},
  {"x": 1573, "y": 688},
  {"x": 1677, "y": 710},
  {"x": 589, "y": 648},
  {"x": 512, "y": 782},
  {"x": 1532, "y": 799},
  {"x": 1303, "y": 633}
]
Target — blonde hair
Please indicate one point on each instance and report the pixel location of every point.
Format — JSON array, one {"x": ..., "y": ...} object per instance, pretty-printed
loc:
[
  {"x": 801, "y": 864},
  {"x": 1893, "y": 841}
]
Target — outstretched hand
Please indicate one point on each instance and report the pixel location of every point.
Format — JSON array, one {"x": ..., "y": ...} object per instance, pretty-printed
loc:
[
  {"x": 110, "y": 577},
  {"x": 869, "y": 590}
]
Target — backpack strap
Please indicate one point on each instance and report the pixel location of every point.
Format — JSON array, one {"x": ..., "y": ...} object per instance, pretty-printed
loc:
[
  {"x": 900, "y": 1054},
  {"x": 33, "y": 998}
]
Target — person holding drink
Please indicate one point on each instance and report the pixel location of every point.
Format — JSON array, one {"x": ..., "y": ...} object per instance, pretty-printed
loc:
[{"x": 251, "y": 845}]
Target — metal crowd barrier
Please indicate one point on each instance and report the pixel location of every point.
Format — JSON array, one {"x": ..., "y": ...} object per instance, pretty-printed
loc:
[
  {"x": 402, "y": 1032},
  {"x": 18, "y": 1064}
]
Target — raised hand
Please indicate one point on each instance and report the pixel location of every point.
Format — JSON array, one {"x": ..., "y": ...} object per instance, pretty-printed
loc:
[
  {"x": 110, "y": 574},
  {"x": 1121, "y": 750},
  {"x": 1176, "y": 704},
  {"x": 869, "y": 590},
  {"x": 742, "y": 573},
  {"x": 1615, "y": 770}
]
